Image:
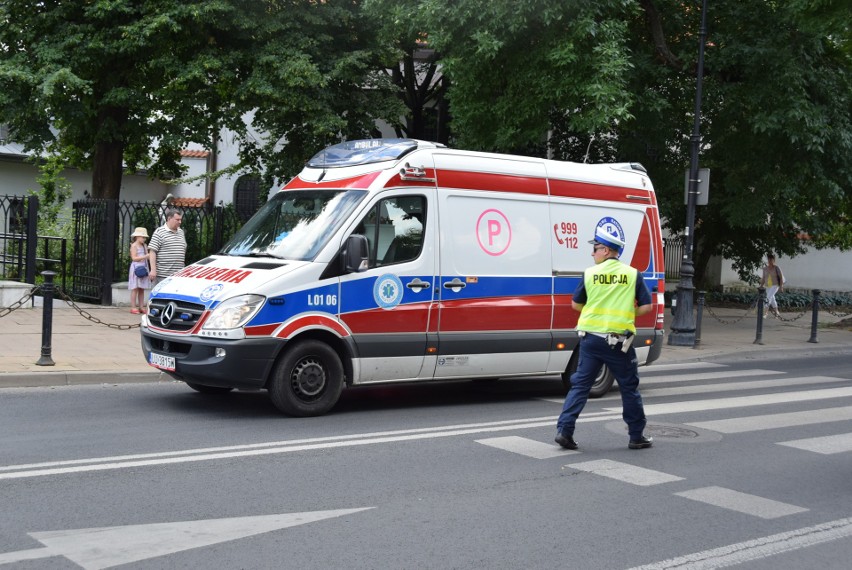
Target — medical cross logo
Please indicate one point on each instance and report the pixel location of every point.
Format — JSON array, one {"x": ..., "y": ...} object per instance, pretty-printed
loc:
[{"x": 387, "y": 291}]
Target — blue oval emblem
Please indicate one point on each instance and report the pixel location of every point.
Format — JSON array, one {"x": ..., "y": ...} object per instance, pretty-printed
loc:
[
  {"x": 387, "y": 291},
  {"x": 210, "y": 292},
  {"x": 612, "y": 227}
]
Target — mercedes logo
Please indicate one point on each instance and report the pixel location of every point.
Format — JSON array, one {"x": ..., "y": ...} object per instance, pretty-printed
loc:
[{"x": 168, "y": 314}]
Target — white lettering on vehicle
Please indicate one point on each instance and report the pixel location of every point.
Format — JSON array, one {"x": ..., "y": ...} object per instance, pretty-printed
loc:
[{"x": 318, "y": 299}]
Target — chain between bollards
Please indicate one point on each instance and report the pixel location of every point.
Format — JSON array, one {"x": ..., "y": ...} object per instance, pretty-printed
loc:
[
  {"x": 46, "y": 319},
  {"x": 815, "y": 316}
]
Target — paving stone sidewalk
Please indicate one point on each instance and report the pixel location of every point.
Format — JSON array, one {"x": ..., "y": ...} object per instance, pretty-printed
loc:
[{"x": 93, "y": 344}]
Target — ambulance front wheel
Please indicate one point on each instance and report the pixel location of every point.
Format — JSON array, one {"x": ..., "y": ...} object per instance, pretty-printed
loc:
[
  {"x": 603, "y": 382},
  {"x": 308, "y": 380}
]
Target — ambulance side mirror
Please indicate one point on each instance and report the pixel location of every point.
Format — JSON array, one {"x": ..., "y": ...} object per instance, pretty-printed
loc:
[{"x": 355, "y": 254}]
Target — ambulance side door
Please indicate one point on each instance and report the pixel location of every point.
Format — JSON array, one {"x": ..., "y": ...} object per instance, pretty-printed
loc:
[
  {"x": 496, "y": 284},
  {"x": 387, "y": 307}
]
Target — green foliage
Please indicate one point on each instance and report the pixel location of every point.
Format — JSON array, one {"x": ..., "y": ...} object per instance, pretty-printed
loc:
[
  {"x": 512, "y": 65},
  {"x": 128, "y": 84},
  {"x": 776, "y": 124},
  {"x": 53, "y": 192}
]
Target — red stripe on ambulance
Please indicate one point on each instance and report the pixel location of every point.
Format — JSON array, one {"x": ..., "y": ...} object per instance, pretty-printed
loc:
[{"x": 312, "y": 321}]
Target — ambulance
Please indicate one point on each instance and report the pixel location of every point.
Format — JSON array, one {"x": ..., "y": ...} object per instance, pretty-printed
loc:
[{"x": 399, "y": 260}]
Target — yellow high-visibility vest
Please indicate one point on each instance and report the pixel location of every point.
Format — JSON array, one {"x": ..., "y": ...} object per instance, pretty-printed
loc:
[{"x": 610, "y": 298}]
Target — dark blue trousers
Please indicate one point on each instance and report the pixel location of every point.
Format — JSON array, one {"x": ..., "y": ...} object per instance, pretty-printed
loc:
[{"x": 594, "y": 353}]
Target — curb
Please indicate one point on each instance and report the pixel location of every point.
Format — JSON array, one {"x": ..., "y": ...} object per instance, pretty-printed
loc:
[
  {"x": 764, "y": 352},
  {"x": 78, "y": 378}
]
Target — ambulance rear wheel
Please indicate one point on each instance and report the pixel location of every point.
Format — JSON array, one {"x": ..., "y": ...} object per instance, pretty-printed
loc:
[
  {"x": 308, "y": 380},
  {"x": 601, "y": 386}
]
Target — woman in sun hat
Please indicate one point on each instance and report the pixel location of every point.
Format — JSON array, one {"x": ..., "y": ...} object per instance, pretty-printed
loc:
[{"x": 137, "y": 280}]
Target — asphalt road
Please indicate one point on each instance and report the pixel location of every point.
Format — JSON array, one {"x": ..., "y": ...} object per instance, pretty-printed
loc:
[{"x": 751, "y": 466}]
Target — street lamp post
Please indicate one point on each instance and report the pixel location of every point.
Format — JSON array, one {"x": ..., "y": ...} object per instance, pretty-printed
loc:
[{"x": 683, "y": 325}]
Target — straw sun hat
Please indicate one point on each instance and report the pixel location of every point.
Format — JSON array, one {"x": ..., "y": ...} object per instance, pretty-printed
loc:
[{"x": 140, "y": 232}]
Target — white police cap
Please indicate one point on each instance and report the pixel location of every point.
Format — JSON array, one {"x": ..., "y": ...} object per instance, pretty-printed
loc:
[{"x": 602, "y": 237}]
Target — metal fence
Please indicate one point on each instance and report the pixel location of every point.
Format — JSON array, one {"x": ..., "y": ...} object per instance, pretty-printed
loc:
[
  {"x": 102, "y": 239},
  {"x": 18, "y": 223},
  {"x": 97, "y": 255},
  {"x": 673, "y": 253}
]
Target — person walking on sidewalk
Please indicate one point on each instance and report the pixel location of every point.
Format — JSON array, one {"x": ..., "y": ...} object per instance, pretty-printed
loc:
[
  {"x": 607, "y": 298},
  {"x": 137, "y": 279},
  {"x": 773, "y": 280},
  {"x": 168, "y": 247}
]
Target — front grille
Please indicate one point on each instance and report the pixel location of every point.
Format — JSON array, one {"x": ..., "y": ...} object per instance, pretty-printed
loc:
[
  {"x": 170, "y": 347},
  {"x": 184, "y": 315}
]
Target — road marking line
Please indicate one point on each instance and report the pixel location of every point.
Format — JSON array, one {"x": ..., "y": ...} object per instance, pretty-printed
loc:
[
  {"x": 106, "y": 547},
  {"x": 757, "y": 549},
  {"x": 744, "y": 401},
  {"x": 625, "y": 472},
  {"x": 650, "y": 379},
  {"x": 168, "y": 458},
  {"x": 526, "y": 447},
  {"x": 736, "y": 386},
  {"x": 741, "y": 502},
  {"x": 775, "y": 421},
  {"x": 204, "y": 450},
  {"x": 681, "y": 366},
  {"x": 827, "y": 445}
]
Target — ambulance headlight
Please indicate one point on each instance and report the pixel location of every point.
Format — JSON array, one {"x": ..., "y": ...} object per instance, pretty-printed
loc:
[{"x": 234, "y": 312}]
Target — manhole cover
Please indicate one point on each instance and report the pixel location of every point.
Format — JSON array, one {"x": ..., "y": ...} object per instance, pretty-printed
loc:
[
  {"x": 669, "y": 432},
  {"x": 672, "y": 432}
]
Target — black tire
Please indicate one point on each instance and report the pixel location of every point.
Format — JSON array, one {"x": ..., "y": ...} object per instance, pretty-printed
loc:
[
  {"x": 208, "y": 389},
  {"x": 601, "y": 386},
  {"x": 308, "y": 379}
]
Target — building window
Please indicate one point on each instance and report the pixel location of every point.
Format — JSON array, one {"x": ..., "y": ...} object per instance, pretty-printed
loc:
[{"x": 247, "y": 196}]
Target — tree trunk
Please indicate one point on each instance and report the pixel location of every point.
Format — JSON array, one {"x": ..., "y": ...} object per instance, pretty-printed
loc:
[{"x": 108, "y": 159}]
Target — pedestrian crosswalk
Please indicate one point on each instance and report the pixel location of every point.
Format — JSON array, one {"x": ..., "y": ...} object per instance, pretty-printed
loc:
[{"x": 706, "y": 389}]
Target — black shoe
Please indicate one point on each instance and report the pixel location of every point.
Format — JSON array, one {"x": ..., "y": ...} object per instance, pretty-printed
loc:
[
  {"x": 641, "y": 443},
  {"x": 566, "y": 441}
]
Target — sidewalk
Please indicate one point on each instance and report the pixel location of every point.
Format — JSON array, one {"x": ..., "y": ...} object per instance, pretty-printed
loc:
[{"x": 86, "y": 352}]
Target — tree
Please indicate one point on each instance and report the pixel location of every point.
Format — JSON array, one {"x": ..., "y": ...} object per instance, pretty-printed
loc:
[
  {"x": 127, "y": 84},
  {"x": 776, "y": 123},
  {"x": 413, "y": 66},
  {"x": 615, "y": 81},
  {"x": 514, "y": 65}
]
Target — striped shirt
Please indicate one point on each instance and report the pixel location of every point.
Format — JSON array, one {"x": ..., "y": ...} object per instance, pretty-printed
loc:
[{"x": 171, "y": 250}]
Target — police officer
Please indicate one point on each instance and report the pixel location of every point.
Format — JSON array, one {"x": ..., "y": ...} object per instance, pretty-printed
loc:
[{"x": 605, "y": 298}]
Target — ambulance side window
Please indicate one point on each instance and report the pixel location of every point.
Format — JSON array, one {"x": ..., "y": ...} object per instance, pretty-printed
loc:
[{"x": 394, "y": 230}]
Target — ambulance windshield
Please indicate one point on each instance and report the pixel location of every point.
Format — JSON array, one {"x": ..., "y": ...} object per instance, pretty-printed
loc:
[
  {"x": 294, "y": 224},
  {"x": 353, "y": 153}
]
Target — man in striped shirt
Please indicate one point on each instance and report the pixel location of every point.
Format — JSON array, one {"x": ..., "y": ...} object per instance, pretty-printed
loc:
[{"x": 167, "y": 248}]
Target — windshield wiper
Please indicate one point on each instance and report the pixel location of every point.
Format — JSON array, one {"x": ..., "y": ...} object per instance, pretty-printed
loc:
[{"x": 255, "y": 254}]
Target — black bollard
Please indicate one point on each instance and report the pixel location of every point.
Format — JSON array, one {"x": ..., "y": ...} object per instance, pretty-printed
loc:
[
  {"x": 815, "y": 316},
  {"x": 46, "y": 319},
  {"x": 698, "y": 319},
  {"x": 761, "y": 291}
]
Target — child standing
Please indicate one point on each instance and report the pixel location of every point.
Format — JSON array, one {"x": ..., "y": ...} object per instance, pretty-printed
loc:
[{"x": 136, "y": 284}]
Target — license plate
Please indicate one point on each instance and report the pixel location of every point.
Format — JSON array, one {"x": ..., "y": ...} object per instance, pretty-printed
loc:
[{"x": 161, "y": 361}]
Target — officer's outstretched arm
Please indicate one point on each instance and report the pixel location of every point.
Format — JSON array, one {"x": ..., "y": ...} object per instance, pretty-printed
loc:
[{"x": 643, "y": 310}]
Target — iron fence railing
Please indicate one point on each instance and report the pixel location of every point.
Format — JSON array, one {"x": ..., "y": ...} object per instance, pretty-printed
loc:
[{"x": 673, "y": 253}]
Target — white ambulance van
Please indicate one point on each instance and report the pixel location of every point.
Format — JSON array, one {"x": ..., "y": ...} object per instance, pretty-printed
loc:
[{"x": 398, "y": 260}]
